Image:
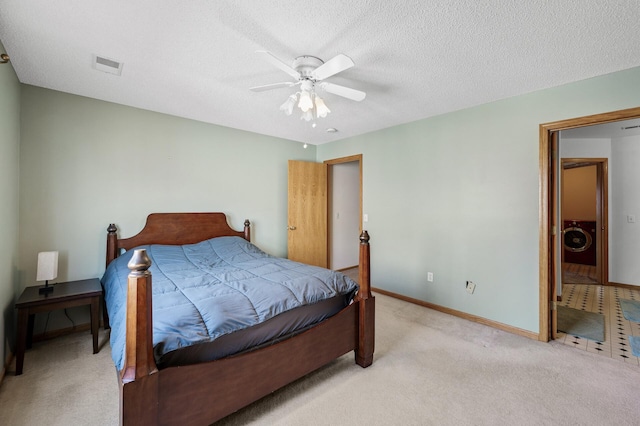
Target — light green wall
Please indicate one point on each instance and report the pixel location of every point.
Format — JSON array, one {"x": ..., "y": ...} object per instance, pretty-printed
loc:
[
  {"x": 87, "y": 163},
  {"x": 457, "y": 195},
  {"x": 9, "y": 186}
]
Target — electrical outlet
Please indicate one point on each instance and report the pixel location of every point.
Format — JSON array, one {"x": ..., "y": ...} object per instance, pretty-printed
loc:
[
  {"x": 470, "y": 287},
  {"x": 430, "y": 277}
]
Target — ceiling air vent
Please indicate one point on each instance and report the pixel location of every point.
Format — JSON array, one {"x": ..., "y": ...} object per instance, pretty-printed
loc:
[{"x": 107, "y": 65}]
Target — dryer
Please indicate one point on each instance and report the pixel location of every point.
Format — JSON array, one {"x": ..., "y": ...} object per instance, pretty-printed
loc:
[{"x": 580, "y": 242}]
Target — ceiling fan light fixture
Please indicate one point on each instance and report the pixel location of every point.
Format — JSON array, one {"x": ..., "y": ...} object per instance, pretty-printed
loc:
[
  {"x": 321, "y": 108},
  {"x": 287, "y": 106},
  {"x": 309, "y": 72},
  {"x": 307, "y": 115},
  {"x": 305, "y": 103}
]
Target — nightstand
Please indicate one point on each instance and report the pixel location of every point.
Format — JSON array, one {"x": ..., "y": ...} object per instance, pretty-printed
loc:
[{"x": 64, "y": 295}]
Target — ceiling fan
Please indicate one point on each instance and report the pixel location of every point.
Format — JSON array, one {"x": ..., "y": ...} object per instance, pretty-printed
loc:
[{"x": 310, "y": 72}]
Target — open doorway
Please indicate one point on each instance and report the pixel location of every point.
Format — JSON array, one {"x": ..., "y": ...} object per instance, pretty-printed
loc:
[
  {"x": 549, "y": 227},
  {"x": 344, "y": 211},
  {"x": 583, "y": 190},
  {"x": 311, "y": 203}
]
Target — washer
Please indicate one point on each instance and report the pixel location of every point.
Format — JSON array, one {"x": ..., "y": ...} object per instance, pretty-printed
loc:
[{"x": 580, "y": 242}]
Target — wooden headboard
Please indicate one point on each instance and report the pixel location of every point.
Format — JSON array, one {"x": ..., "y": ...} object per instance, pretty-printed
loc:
[{"x": 175, "y": 229}]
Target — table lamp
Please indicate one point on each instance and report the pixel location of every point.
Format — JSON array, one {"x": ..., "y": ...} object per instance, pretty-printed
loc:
[{"x": 47, "y": 270}]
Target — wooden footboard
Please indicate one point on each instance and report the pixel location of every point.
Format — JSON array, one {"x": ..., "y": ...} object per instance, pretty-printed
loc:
[{"x": 206, "y": 392}]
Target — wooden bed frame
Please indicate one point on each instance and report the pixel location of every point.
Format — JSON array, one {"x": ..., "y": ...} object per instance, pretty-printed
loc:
[{"x": 206, "y": 392}]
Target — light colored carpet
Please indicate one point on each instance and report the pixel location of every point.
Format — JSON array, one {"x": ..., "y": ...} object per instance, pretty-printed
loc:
[
  {"x": 62, "y": 383},
  {"x": 429, "y": 369}
]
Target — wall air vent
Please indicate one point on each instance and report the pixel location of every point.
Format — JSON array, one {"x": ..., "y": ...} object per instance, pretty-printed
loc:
[{"x": 107, "y": 65}]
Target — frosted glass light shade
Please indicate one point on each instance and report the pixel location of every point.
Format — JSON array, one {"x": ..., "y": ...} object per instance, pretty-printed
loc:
[
  {"x": 305, "y": 103},
  {"x": 47, "y": 266},
  {"x": 321, "y": 109},
  {"x": 307, "y": 115},
  {"x": 288, "y": 105}
]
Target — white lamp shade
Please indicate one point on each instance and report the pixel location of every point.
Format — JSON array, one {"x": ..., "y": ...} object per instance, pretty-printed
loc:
[{"x": 47, "y": 266}]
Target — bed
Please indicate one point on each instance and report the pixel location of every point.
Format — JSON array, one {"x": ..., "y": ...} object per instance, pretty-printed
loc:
[{"x": 164, "y": 383}]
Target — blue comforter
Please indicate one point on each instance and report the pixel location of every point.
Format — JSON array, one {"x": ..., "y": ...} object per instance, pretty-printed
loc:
[{"x": 206, "y": 290}]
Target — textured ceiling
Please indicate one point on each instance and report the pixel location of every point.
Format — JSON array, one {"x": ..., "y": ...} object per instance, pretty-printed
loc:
[{"x": 414, "y": 59}]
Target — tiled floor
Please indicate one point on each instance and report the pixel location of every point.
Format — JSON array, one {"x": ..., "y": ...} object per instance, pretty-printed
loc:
[{"x": 603, "y": 300}]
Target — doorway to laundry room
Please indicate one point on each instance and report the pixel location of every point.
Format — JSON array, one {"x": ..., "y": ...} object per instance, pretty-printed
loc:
[
  {"x": 601, "y": 148},
  {"x": 583, "y": 208}
]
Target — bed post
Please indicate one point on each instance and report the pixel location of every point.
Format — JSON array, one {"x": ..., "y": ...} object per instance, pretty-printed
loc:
[
  {"x": 139, "y": 387},
  {"x": 247, "y": 230},
  {"x": 366, "y": 302},
  {"x": 112, "y": 243}
]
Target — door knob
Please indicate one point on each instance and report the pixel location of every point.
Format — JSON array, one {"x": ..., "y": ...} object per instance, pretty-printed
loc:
[{"x": 292, "y": 228}]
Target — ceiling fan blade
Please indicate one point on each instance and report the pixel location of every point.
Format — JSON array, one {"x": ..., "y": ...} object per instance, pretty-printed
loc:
[
  {"x": 278, "y": 63},
  {"x": 345, "y": 92},
  {"x": 272, "y": 86},
  {"x": 332, "y": 66}
]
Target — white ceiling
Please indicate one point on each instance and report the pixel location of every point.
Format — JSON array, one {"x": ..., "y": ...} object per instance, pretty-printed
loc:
[{"x": 415, "y": 59}]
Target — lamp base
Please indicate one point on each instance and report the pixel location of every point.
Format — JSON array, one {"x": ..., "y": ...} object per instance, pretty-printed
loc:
[{"x": 46, "y": 289}]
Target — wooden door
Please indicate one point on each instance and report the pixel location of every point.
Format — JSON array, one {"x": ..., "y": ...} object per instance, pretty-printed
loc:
[
  {"x": 553, "y": 237},
  {"x": 307, "y": 213},
  {"x": 602, "y": 222}
]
